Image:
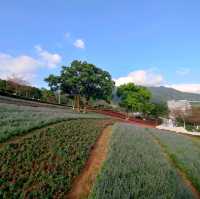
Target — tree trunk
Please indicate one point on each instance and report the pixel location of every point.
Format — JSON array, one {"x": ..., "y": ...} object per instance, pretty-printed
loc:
[
  {"x": 156, "y": 121},
  {"x": 184, "y": 123},
  {"x": 74, "y": 103},
  {"x": 127, "y": 116},
  {"x": 85, "y": 106},
  {"x": 77, "y": 99}
]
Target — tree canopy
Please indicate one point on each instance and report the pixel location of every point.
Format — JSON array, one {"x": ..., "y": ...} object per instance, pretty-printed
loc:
[
  {"x": 83, "y": 79},
  {"x": 15, "y": 86},
  {"x": 159, "y": 110},
  {"x": 134, "y": 98},
  {"x": 53, "y": 82}
]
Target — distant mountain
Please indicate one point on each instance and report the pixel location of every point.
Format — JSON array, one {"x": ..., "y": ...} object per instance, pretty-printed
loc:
[{"x": 163, "y": 94}]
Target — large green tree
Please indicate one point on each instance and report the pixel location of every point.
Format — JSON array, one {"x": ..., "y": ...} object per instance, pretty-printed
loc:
[
  {"x": 134, "y": 98},
  {"x": 83, "y": 80}
]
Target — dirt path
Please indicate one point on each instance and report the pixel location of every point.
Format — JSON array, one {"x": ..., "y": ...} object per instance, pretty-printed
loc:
[
  {"x": 83, "y": 183},
  {"x": 183, "y": 176}
]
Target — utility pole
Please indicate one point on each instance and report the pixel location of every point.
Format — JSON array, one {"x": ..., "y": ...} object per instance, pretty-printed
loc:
[{"x": 59, "y": 91}]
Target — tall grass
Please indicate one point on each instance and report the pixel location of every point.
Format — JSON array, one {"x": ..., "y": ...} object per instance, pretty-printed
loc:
[{"x": 136, "y": 168}]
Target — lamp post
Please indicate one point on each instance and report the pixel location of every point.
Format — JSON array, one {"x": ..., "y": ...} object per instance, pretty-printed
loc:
[{"x": 59, "y": 91}]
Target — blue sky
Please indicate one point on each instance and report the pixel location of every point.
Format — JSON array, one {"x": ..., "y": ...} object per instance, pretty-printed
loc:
[{"x": 149, "y": 42}]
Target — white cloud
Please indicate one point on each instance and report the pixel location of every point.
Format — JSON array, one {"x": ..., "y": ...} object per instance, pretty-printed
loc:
[
  {"x": 22, "y": 66},
  {"x": 151, "y": 78},
  {"x": 79, "y": 43},
  {"x": 190, "y": 88},
  {"x": 49, "y": 59},
  {"x": 26, "y": 67},
  {"x": 141, "y": 77},
  {"x": 183, "y": 71}
]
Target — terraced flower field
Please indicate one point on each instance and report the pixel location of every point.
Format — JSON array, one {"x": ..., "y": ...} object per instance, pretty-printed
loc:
[
  {"x": 43, "y": 150},
  {"x": 44, "y": 163},
  {"x": 184, "y": 152},
  {"x": 18, "y": 120},
  {"x": 137, "y": 167}
]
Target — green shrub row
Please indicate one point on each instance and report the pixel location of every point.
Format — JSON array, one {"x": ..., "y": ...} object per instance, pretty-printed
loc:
[
  {"x": 44, "y": 164},
  {"x": 184, "y": 151},
  {"x": 18, "y": 120},
  {"x": 137, "y": 168}
]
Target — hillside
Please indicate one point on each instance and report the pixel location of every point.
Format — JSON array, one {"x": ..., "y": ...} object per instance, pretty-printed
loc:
[{"x": 163, "y": 94}]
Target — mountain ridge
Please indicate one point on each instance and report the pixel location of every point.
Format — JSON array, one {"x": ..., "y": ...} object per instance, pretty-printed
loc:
[{"x": 164, "y": 94}]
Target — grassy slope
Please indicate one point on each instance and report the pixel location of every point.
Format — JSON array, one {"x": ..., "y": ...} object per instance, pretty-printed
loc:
[
  {"x": 136, "y": 168},
  {"x": 17, "y": 120},
  {"x": 44, "y": 165}
]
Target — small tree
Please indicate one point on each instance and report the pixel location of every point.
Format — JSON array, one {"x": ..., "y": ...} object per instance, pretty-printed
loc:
[
  {"x": 159, "y": 110},
  {"x": 134, "y": 98},
  {"x": 18, "y": 85},
  {"x": 179, "y": 109},
  {"x": 2, "y": 85},
  {"x": 48, "y": 96}
]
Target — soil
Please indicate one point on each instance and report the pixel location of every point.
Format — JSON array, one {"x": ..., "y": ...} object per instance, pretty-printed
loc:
[
  {"x": 122, "y": 117},
  {"x": 82, "y": 185}
]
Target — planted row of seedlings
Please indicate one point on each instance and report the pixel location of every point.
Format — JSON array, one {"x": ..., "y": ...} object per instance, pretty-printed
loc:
[
  {"x": 184, "y": 152},
  {"x": 137, "y": 168},
  {"x": 44, "y": 165},
  {"x": 18, "y": 120}
]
